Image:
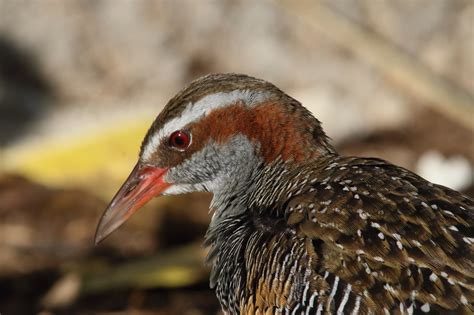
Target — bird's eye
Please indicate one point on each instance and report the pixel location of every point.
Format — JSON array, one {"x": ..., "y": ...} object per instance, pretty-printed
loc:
[{"x": 180, "y": 140}]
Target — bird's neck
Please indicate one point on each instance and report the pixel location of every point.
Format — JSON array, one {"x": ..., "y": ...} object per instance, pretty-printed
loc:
[
  {"x": 264, "y": 188},
  {"x": 249, "y": 212}
]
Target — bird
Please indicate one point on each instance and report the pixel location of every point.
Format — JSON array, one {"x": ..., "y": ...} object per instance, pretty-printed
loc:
[{"x": 297, "y": 228}]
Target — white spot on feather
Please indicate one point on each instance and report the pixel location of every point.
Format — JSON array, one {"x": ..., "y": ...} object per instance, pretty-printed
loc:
[
  {"x": 468, "y": 240},
  {"x": 363, "y": 215},
  {"x": 388, "y": 287},
  {"x": 433, "y": 277},
  {"x": 399, "y": 244},
  {"x": 425, "y": 308}
]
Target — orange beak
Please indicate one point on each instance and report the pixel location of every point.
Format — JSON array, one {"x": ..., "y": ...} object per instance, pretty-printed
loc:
[{"x": 144, "y": 183}]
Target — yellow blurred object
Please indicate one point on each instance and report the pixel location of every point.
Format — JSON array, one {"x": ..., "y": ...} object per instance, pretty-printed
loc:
[{"x": 98, "y": 160}]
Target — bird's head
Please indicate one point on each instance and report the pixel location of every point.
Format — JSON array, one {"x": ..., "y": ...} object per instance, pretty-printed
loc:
[{"x": 213, "y": 136}]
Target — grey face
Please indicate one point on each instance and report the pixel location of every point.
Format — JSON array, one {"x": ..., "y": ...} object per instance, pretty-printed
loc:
[{"x": 221, "y": 169}]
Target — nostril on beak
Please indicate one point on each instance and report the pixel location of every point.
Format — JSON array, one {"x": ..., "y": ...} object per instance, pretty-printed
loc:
[{"x": 130, "y": 189}]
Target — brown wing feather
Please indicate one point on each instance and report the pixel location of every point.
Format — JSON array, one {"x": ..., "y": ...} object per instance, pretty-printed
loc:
[{"x": 395, "y": 237}]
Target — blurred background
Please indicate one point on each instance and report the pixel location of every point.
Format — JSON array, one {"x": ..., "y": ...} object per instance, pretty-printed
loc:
[{"x": 81, "y": 81}]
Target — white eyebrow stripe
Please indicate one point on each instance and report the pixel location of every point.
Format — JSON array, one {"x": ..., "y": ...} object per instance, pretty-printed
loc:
[{"x": 201, "y": 108}]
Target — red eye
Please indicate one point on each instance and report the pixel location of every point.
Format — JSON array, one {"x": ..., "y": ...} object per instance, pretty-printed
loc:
[{"x": 180, "y": 140}]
